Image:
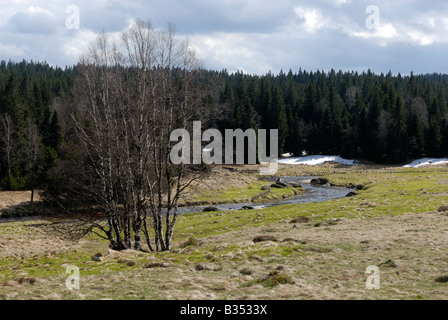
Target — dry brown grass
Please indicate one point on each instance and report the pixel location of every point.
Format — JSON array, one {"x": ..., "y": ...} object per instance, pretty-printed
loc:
[
  {"x": 32, "y": 238},
  {"x": 13, "y": 198},
  {"x": 221, "y": 178}
]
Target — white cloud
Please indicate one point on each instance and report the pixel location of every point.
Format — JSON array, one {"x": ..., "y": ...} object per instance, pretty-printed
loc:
[
  {"x": 232, "y": 51},
  {"x": 385, "y": 31},
  {"x": 339, "y": 2},
  {"x": 388, "y": 34},
  {"x": 35, "y": 10},
  {"x": 313, "y": 18},
  {"x": 75, "y": 47},
  {"x": 421, "y": 38}
]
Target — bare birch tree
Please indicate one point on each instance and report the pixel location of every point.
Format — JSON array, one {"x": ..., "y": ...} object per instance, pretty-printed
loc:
[{"x": 132, "y": 93}]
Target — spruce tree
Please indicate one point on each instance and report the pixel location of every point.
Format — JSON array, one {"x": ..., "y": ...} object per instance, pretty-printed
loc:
[
  {"x": 38, "y": 108},
  {"x": 278, "y": 115},
  {"x": 398, "y": 141},
  {"x": 55, "y": 132}
]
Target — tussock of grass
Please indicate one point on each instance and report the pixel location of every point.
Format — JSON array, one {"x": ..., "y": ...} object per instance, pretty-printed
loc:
[
  {"x": 191, "y": 242},
  {"x": 442, "y": 279},
  {"x": 271, "y": 280}
]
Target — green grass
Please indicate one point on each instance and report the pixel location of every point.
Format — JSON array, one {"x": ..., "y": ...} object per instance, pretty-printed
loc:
[
  {"x": 48, "y": 266},
  {"x": 387, "y": 192}
]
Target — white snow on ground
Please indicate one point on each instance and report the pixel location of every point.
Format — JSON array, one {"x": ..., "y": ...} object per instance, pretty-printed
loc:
[
  {"x": 317, "y": 160},
  {"x": 426, "y": 161}
]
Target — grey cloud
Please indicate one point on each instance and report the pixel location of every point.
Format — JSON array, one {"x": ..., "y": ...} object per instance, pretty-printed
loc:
[
  {"x": 26, "y": 23},
  {"x": 110, "y": 17},
  {"x": 204, "y": 16},
  {"x": 256, "y": 35}
]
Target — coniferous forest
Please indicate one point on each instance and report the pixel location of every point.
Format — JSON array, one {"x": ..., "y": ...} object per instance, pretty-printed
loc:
[
  {"x": 31, "y": 133},
  {"x": 382, "y": 118}
]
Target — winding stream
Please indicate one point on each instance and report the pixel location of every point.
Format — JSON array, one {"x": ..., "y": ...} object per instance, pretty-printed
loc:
[{"x": 313, "y": 193}]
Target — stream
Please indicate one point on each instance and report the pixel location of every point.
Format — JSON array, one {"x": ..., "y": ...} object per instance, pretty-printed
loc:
[{"x": 313, "y": 193}]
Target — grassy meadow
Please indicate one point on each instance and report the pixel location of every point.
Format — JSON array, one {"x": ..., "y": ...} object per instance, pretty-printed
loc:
[{"x": 397, "y": 221}]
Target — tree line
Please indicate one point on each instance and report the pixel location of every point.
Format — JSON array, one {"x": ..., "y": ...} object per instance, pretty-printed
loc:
[{"x": 381, "y": 118}]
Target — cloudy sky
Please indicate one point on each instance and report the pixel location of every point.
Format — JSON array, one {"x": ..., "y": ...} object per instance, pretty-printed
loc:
[{"x": 255, "y": 36}]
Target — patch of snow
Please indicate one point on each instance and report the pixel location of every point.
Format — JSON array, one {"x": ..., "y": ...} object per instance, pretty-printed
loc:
[
  {"x": 426, "y": 161},
  {"x": 317, "y": 160}
]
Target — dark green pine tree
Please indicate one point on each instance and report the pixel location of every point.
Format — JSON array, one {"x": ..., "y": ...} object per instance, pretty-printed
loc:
[
  {"x": 236, "y": 118},
  {"x": 434, "y": 135},
  {"x": 11, "y": 102},
  {"x": 416, "y": 135},
  {"x": 293, "y": 141},
  {"x": 359, "y": 130},
  {"x": 244, "y": 115},
  {"x": 226, "y": 95},
  {"x": 38, "y": 107},
  {"x": 309, "y": 105},
  {"x": 412, "y": 86},
  {"x": 335, "y": 112},
  {"x": 398, "y": 140},
  {"x": 249, "y": 116},
  {"x": 45, "y": 126},
  {"x": 347, "y": 145},
  {"x": 263, "y": 106},
  {"x": 291, "y": 96},
  {"x": 253, "y": 91},
  {"x": 226, "y": 100},
  {"x": 338, "y": 127},
  {"x": 314, "y": 139},
  {"x": 278, "y": 115},
  {"x": 371, "y": 148},
  {"x": 324, "y": 139},
  {"x": 55, "y": 137},
  {"x": 291, "y": 100},
  {"x": 26, "y": 89},
  {"x": 445, "y": 138},
  {"x": 52, "y": 142},
  {"x": 389, "y": 96},
  {"x": 443, "y": 107}
]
